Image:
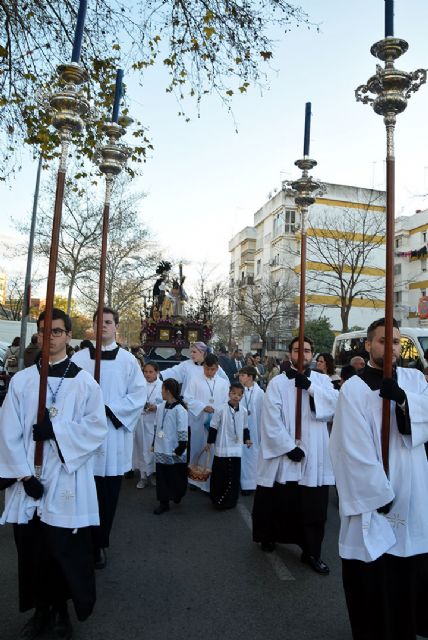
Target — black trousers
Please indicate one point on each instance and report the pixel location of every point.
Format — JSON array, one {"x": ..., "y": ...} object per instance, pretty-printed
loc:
[
  {"x": 291, "y": 514},
  {"x": 171, "y": 481},
  {"x": 224, "y": 485},
  {"x": 387, "y": 599},
  {"x": 54, "y": 565},
  {"x": 108, "y": 490}
]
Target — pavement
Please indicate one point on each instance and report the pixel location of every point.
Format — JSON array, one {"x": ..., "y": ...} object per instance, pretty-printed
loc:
[{"x": 195, "y": 574}]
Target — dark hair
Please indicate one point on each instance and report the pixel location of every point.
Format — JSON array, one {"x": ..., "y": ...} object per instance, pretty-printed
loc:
[
  {"x": 347, "y": 372},
  {"x": 57, "y": 314},
  {"x": 379, "y": 323},
  {"x": 210, "y": 359},
  {"x": 153, "y": 364},
  {"x": 329, "y": 360},
  {"x": 16, "y": 342},
  {"x": 305, "y": 339},
  {"x": 236, "y": 385},
  {"x": 250, "y": 371},
  {"x": 86, "y": 344},
  {"x": 171, "y": 385},
  {"x": 34, "y": 338},
  {"x": 108, "y": 310}
]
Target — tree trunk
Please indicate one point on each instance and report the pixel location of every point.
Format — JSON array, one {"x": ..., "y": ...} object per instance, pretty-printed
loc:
[
  {"x": 70, "y": 294},
  {"x": 344, "y": 314}
]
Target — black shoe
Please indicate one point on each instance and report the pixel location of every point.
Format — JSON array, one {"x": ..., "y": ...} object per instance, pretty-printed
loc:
[
  {"x": 176, "y": 500},
  {"x": 246, "y": 492},
  {"x": 128, "y": 475},
  {"x": 101, "y": 559},
  {"x": 36, "y": 625},
  {"x": 62, "y": 628},
  {"x": 316, "y": 564},
  {"x": 267, "y": 547},
  {"x": 161, "y": 509}
]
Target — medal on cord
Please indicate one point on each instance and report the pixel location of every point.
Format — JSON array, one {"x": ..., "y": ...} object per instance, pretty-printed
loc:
[
  {"x": 248, "y": 404},
  {"x": 52, "y": 410},
  {"x": 161, "y": 433},
  {"x": 233, "y": 412},
  {"x": 211, "y": 390}
]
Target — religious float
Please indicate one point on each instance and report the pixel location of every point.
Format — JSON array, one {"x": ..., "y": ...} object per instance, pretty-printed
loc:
[{"x": 168, "y": 324}]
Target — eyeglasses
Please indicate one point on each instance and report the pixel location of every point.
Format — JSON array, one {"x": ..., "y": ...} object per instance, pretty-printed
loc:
[{"x": 56, "y": 332}]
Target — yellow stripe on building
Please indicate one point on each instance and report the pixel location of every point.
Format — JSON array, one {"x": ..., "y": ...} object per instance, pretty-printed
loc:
[
  {"x": 321, "y": 266},
  {"x": 345, "y": 235},
  {"x": 423, "y": 284},
  {"x": 422, "y": 227},
  {"x": 335, "y": 301},
  {"x": 350, "y": 205}
]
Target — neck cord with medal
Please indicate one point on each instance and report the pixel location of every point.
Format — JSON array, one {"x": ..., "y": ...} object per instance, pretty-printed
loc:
[
  {"x": 233, "y": 412},
  {"x": 166, "y": 408},
  {"x": 52, "y": 410},
  {"x": 150, "y": 395},
  {"x": 248, "y": 403},
  {"x": 211, "y": 390}
]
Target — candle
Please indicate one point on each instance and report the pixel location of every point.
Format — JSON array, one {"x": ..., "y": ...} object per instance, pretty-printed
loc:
[
  {"x": 389, "y": 18},
  {"x": 307, "y": 129},
  {"x": 117, "y": 95},
  {"x": 78, "y": 35}
]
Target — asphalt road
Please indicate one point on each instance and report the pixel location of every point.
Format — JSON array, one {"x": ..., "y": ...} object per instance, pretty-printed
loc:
[{"x": 195, "y": 574}]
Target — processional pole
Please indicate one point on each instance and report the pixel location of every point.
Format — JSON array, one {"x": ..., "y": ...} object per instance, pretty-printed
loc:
[
  {"x": 390, "y": 89},
  {"x": 305, "y": 187},
  {"x": 113, "y": 158},
  {"x": 69, "y": 106}
]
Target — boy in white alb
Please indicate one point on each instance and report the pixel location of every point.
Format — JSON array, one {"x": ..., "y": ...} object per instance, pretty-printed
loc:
[
  {"x": 52, "y": 515},
  {"x": 203, "y": 395},
  {"x": 252, "y": 401},
  {"x": 229, "y": 433},
  {"x": 143, "y": 457},
  {"x": 124, "y": 391}
]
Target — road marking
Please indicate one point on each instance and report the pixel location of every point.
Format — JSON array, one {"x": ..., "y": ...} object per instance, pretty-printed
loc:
[{"x": 279, "y": 567}]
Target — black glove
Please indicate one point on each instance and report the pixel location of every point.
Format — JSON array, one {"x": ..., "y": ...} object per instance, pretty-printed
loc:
[
  {"x": 301, "y": 381},
  {"x": 44, "y": 430},
  {"x": 180, "y": 449},
  {"x": 115, "y": 421},
  {"x": 390, "y": 390},
  {"x": 296, "y": 454},
  {"x": 386, "y": 508},
  {"x": 6, "y": 482},
  {"x": 291, "y": 373},
  {"x": 33, "y": 488}
]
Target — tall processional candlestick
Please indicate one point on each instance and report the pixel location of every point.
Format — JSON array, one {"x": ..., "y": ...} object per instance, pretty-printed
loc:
[
  {"x": 69, "y": 107},
  {"x": 113, "y": 158},
  {"x": 388, "y": 92},
  {"x": 305, "y": 188}
]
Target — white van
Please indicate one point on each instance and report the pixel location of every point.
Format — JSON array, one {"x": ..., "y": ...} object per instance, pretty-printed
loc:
[{"x": 414, "y": 342}]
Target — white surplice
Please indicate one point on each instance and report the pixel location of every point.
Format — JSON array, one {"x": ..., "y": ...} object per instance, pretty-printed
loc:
[
  {"x": 142, "y": 456},
  {"x": 362, "y": 484},
  {"x": 186, "y": 371},
  {"x": 69, "y": 498},
  {"x": 252, "y": 402},
  {"x": 124, "y": 391},
  {"x": 230, "y": 425},
  {"x": 278, "y": 433},
  {"x": 200, "y": 393}
]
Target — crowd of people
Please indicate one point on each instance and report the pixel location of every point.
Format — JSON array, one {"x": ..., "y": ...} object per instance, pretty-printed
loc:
[{"x": 241, "y": 425}]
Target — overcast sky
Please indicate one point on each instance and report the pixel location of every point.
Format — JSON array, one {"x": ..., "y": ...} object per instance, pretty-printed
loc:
[{"x": 204, "y": 181}]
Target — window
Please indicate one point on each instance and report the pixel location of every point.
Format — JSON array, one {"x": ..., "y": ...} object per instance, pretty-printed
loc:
[
  {"x": 242, "y": 275},
  {"x": 423, "y": 264},
  {"x": 398, "y": 242},
  {"x": 277, "y": 225},
  {"x": 258, "y": 267},
  {"x": 397, "y": 269},
  {"x": 397, "y": 297},
  {"x": 424, "y": 236},
  {"x": 423, "y": 292},
  {"x": 289, "y": 221}
]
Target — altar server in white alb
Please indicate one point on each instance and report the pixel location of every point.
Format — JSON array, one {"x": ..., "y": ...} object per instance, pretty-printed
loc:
[
  {"x": 203, "y": 395},
  {"x": 228, "y": 433},
  {"x": 186, "y": 371},
  {"x": 290, "y": 504},
  {"x": 124, "y": 392},
  {"x": 143, "y": 457},
  {"x": 52, "y": 516},
  {"x": 252, "y": 401},
  {"x": 383, "y": 539}
]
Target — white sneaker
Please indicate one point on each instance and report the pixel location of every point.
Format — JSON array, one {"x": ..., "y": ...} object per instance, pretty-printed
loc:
[{"x": 141, "y": 484}]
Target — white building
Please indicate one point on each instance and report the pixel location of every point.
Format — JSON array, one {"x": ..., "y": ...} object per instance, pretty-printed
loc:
[
  {"x": 343, "y": 222},
  {"x": 410, "y": 265}
]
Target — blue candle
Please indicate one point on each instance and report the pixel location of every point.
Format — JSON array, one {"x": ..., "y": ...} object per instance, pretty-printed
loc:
[
  {"x": 307, "y": 129},
  {"x": 78, "y": 35},
  {"x": 117, "y": 95},
  {"x": 389, "y": 18}
]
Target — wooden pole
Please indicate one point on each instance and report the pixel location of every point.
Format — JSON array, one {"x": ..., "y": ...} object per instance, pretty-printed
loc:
[{"x": 302, "y": 305}]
